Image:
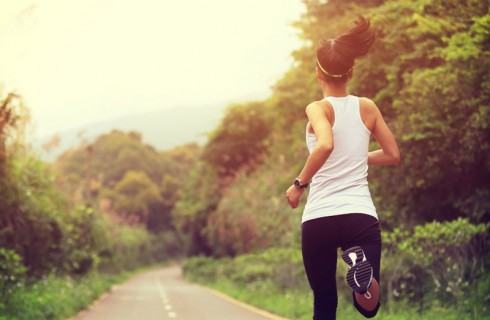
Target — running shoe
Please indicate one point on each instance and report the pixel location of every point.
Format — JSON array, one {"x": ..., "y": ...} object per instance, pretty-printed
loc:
[{"x": 360, "y": 272}]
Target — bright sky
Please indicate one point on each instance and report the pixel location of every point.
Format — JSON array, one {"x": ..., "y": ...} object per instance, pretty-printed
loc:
[{"x": 81, "y": 61}]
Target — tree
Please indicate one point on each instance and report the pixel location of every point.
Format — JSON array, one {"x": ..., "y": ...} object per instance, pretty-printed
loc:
[
  {"x": 12, "y": 113},
  {"x": 136, "y": 197},
  {"x": 199, "y": 197},
  {"x": 239, "y": 142}
]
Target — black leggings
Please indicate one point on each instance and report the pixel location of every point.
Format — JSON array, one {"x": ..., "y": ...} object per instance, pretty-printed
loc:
[{"x": 320, "y": 239}]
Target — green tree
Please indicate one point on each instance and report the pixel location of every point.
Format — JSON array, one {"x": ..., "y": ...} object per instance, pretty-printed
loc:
[
  {"x": 108, "y": 158},
  {"x": 428, "y": 74},
  {"x": 239, "y": 142},
  {"x": 136, "y": 195},
  {"x": 200, "y": 196}
]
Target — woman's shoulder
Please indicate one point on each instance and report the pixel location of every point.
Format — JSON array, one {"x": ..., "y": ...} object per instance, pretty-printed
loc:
[
  {"x": 318, "y": 104},
  {"x": 319, "y": 107},
  {"x": 368, "y": 111},
  {"x": 367, "y": 105},
  {"x": 367, "y": 102}
]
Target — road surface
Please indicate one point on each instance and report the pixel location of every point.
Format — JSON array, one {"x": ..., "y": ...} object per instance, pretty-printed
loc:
[{"x": 163, "y": 294}]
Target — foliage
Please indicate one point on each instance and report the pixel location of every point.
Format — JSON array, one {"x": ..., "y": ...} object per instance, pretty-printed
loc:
[
  {"x": 252, "y": 215},
  {"x": 281, "y": 266},
  {"x": 57, "y": 297},
  {"x": 436, "y": 97},
  {"x": 200, "y": 195},
  {"x": 408, "y": 264},
  {"x": 13, "y": 118},
  {"x": 38, "y": 223},
  {"x": 109, "y": 157},
  {"x": 127, "y": 179},
  {"x": 135, "y": 196},
  {"x": 437, "y": 260},
  {"x": 452, "y": 253},
  {"x": 231, "y": 206},
  {"x": 48, "y": 238},
  {"x": 83, "y": 235},
  {"x": 12, "y": 273},
  {"x": 428, "y": 73},
  {"x": 30, "y": 217},
  {"x": 238, "y": 142}
]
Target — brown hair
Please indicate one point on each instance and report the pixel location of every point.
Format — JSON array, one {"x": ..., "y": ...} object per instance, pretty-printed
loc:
[{"x": 335, "y": 57}]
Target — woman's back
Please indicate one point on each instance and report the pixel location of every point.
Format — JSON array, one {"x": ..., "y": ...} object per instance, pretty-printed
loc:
[{"x": 340, "y": 186}]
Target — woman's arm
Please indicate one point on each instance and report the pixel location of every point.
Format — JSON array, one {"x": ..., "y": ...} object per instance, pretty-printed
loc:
[
  {"x": 324, "y": 136},
  {"x": 320, "y": 153},
  {"x": 389, "y": 153}
]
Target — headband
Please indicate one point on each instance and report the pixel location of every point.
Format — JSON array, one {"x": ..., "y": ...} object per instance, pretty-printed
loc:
[{"x": 330, "y": 74}]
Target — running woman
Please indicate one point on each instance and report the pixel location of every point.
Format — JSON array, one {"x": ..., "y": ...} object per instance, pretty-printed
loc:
[{"x": 339, "y": 211}]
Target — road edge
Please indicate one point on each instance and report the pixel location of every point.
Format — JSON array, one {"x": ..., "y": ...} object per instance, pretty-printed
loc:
[{"x": 242, "y": 304}]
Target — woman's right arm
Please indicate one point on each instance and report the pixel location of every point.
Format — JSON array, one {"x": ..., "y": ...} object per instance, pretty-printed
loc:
[{"x": 389, "y": 153}]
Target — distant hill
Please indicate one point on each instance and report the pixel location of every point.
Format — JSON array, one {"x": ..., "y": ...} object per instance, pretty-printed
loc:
[{"x": 164, "y": 129}]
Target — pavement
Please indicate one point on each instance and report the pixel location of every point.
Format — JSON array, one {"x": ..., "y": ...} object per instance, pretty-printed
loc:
[{"x": 164, "y": 294}]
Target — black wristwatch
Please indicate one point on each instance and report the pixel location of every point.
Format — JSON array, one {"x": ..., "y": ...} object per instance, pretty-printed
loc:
[{"x": 299, "y": 184}]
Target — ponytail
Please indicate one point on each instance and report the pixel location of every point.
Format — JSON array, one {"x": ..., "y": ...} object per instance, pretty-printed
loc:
[{"x": 335, "y": 57}]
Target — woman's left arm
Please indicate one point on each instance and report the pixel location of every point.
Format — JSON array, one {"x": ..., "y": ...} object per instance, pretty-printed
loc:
[{"x": 320, "y": 153}]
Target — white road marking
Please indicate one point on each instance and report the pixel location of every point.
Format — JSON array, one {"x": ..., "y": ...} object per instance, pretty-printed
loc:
[{"x": 163, "y": 296}]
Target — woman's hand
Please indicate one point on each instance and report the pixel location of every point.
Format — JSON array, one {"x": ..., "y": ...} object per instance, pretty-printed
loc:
[{"x": 294, "y": 194}]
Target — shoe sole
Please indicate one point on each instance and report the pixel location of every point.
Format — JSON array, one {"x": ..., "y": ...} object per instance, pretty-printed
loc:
[
  {"x": 359, "y": 256},
  {"x": 360, "y": 276},
  {"x": 360, "y": 272}
]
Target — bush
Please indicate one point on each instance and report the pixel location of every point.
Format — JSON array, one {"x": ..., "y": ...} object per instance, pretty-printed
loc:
[
  {"x": 12, "y": 274},
  {"x": 451, "y": 254},
  {"x": 438, "y": 268},
  {"x": 56, "y": 297}
]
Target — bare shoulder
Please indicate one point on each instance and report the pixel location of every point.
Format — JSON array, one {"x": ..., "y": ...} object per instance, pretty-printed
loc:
[
  {"x": 316, "y": 105},
  {"x": 367, "y": 106},
  {"x": 320, "y": 107},
  {"x": 317, "y": 110},
  {"x": 369, "y": 112}
]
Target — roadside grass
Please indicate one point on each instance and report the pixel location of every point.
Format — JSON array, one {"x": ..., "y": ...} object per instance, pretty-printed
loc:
[
  {"x": 274, "y": 281},
  {"x": 60, "y": 297},
  {"x": 298, "y": 305}
]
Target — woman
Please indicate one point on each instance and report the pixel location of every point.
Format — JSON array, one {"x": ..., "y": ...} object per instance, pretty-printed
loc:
[{"x": 339, "y": 210}]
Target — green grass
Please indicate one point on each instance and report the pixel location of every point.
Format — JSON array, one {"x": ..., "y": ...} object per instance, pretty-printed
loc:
[
  {"x": 287, "y": 304},
  {"x": 274, "y": 280},
  {"x": 297, "y": 305},
  {"x": 56, "y": 297}
]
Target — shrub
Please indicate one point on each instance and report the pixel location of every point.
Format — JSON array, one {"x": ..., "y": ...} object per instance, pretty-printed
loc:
[{"x": 12, "y": 273}]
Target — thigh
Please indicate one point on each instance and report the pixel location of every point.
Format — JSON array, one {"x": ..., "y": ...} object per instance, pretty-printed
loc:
[
  {"x": 319, "y": 248},
  {"x": 364, "y": 231},
  {"x": 373, "y": 255}
]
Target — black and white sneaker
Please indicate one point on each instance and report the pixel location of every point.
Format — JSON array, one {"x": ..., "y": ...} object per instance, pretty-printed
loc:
[{"x": 360, "y": 272}]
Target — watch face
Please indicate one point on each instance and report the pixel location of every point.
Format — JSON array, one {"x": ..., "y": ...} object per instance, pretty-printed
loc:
[{"x": 297, "y": 183}]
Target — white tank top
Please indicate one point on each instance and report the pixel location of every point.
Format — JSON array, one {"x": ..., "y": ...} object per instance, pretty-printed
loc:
[{"x": 341, "y": 186}]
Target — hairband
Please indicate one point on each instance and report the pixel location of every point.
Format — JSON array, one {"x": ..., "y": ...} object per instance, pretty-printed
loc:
[{"x": 332, "y": 75}]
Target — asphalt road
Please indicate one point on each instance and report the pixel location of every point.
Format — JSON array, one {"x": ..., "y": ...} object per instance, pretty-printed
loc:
[{"x": 163, "y": 294}]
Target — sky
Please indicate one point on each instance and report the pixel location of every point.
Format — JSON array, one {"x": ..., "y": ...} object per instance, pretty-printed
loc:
[{"x": 80, "y": 61}]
